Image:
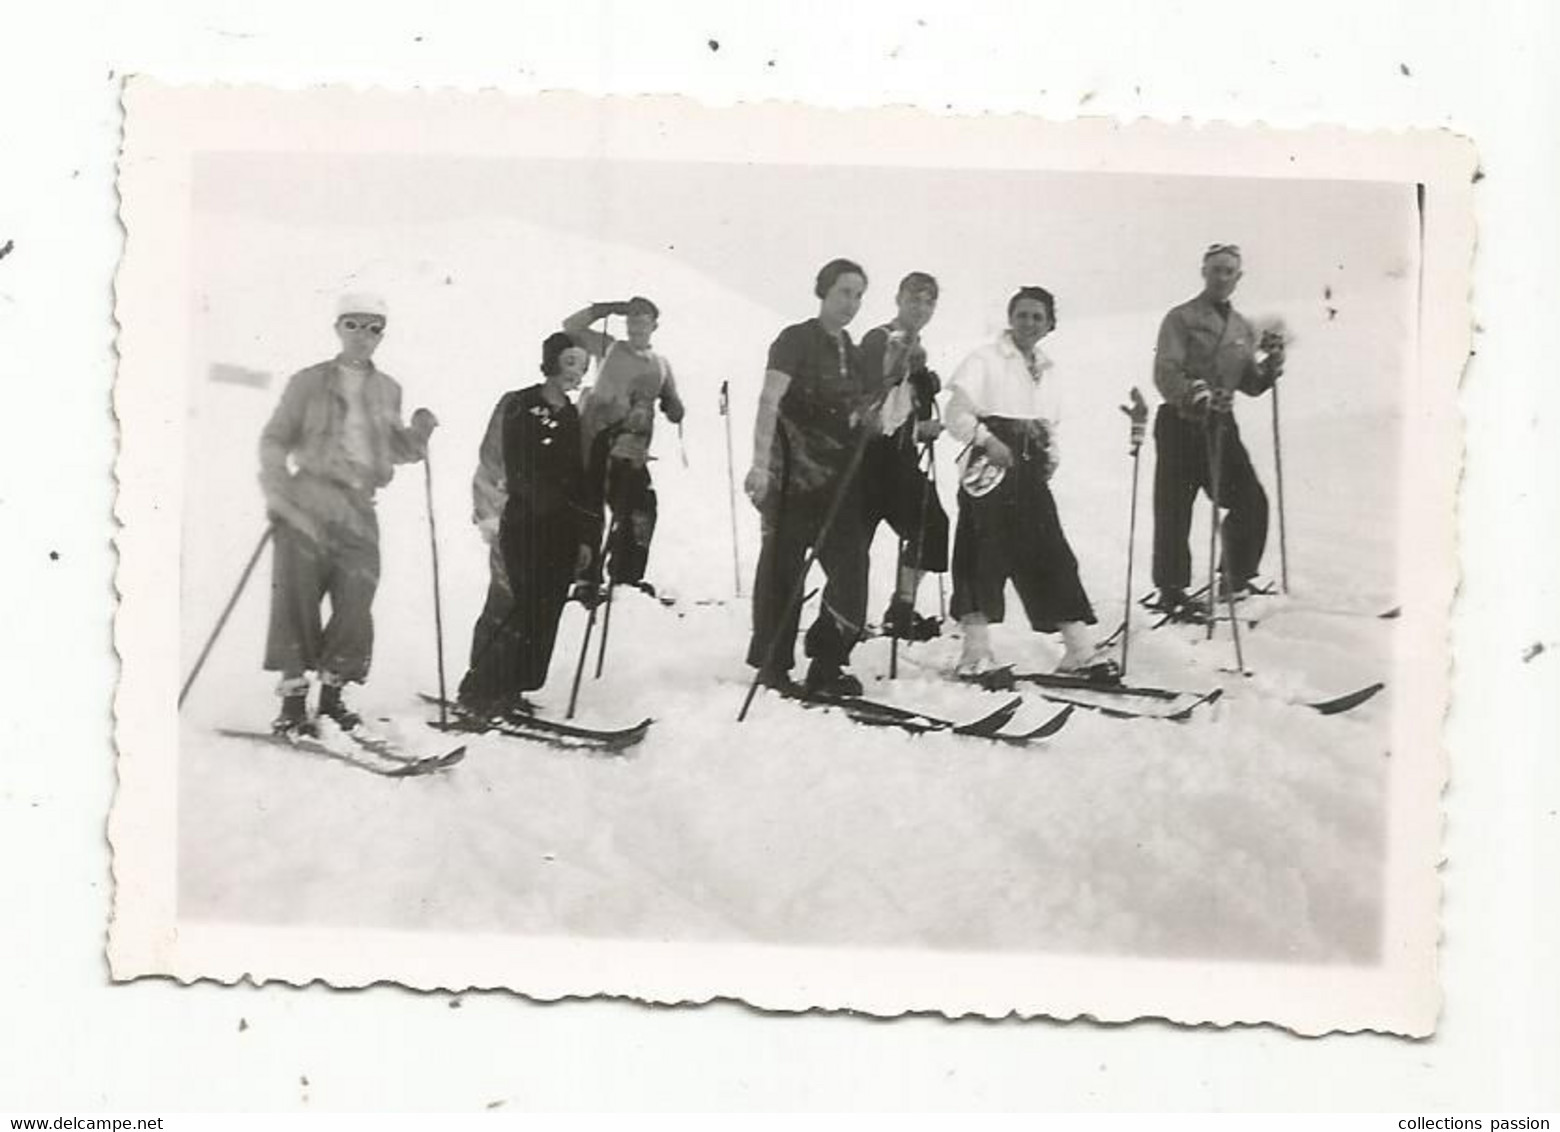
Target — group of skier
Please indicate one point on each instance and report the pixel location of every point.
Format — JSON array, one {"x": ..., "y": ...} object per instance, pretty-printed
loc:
[{"x": 842, "y": 442}]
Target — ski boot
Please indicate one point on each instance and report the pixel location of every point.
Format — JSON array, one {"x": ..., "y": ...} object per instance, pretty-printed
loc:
[
  {"x": 293, "y": 720},
  {"x": 976, "y": 660},
  {"x": 902, "y": 621},
  {"x": 1103, "y": 671},
  {"x": 779, "y": 680},
  {"x": 333, "y": 708},
  {"x": 519, "y": 706},
  {"x": 825, "y": 678}
]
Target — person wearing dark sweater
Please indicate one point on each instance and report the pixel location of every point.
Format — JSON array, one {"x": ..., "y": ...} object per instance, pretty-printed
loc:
[
  {"x": 548, "y": 533},
  {"x": 816, "y": 402}
]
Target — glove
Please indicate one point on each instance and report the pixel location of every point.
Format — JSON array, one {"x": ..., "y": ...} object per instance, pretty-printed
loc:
[
  {"x": 1042, "y": 444},
  {"x": 756, "y": 485},
  {"x": 1137, "y": 412},
  {"x": 1197, "y": 399},
  {"x": 926, "y": 385},
  {"x": 423, "y": 424},
  {"x": 1222, "y": 400},
  {"x": 997, "y": 452},
  {"x": 895, "y": 354},
  {"x": 1272, "y": 363}
]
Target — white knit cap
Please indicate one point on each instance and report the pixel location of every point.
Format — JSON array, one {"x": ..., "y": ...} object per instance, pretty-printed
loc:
[{"x": 361, "y": 302}]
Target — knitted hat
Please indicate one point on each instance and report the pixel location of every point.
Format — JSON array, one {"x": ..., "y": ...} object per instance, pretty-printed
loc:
[{"x": 361, "y": 302}]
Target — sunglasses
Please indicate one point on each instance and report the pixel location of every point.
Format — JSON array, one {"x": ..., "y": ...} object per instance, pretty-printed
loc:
[{"x": 357, "y": 324}]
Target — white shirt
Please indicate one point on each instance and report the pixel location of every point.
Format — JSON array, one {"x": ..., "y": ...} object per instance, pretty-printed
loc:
[
  {"x": 355, "y": 437},
  {"x": 998, "y": 381}
]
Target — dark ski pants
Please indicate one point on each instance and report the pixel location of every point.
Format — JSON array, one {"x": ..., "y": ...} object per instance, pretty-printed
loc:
[
  {"x": 633, "y": 504},
  {"x": 495, "y": 628},
  {"x": 1183, "y": 456},
  {"x": 539, "y": 559},
  {"x": 790, "y": 529},
  {"x": 1013, "y": 533},
  {"x": 341, "y": 564},
  {"x": 893, "y": 489}
]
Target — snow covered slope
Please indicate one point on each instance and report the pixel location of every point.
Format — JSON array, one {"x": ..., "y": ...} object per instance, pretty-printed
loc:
[{"x": 1255, "y": 830}]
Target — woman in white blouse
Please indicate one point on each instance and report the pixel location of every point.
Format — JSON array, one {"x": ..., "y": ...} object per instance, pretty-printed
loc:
[{"x": 1001, "y": 407}]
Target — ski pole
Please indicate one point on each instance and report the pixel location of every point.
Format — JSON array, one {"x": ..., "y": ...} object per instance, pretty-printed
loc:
[
  {"x": 731, "y": 485},
  {"x": 606, "y": 628},
  {"x": 1216, "y": 453},
  {"x": 1137, "y": 412},
  {"x": 1278, "y": 470},
  {"x": 590, "y": 626},
  {"x": 931, "y": 466},
  {"x": 682, "y": 448},
  {"x": 243, "y": 580},
  {"x": 579, "y": 665},
  {"x": 438, "y": 608},
  {"x": 793, "y": 601},
  {"x": 593, "y": 579},
  {"x": 1215, "y": 437}
]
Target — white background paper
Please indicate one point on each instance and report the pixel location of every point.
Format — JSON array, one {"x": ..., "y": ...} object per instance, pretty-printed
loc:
[{"x": 72, "y": 1042}]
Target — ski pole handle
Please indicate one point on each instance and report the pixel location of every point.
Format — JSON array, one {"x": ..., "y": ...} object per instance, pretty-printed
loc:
[{"x": 1137, "y": 413}]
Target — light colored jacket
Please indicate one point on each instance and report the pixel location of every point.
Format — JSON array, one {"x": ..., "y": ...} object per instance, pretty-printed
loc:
[
  {"x": 1197, "y": 342},
  {"x": 307, "y": 427}
]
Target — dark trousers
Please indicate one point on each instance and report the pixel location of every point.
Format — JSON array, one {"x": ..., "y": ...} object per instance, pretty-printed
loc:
[
  {"x": 633, "y": 504},
  {"x": 893, "y": 489},
  {"x": 1013, "y": 533},
  {"x": 342, "y": 564},
  {"x": 791, "y": 527},
  {"x": 1183, "y": 455},
  {"x": 539, "y": 558},
  {"x": 495, "y": 629}
]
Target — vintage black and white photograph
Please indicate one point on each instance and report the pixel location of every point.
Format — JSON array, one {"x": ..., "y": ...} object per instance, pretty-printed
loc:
[{"x": 876, "y": 561}]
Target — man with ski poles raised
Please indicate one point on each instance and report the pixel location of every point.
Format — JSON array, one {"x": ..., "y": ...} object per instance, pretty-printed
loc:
[
  {"x": 817, "y": 400},
  {"x": 332, "y": 442},
  {"x": 893, "y": 485},
  {"x": 631, "y": 381},
  {"x": 1206, "y": 351}
]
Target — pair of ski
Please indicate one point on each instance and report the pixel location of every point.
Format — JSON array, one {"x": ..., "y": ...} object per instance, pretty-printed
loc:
[
  {"x": 876, "y": 713},
  {"x": 541, "y": 729},
  {"x": 1194, "y": 611},
  {"x": 361, "y": 749},
  {"x": 1127, "y": 694}
]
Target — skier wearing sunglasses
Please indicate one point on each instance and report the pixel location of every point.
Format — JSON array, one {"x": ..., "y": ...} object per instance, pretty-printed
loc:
[{"x": 332, "y": 442}]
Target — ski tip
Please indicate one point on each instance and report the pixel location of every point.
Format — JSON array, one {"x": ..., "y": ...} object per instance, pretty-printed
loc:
[
  {"x": 1054, "y": 724},
  {"x": 1348, "y": 701},
  {"x": 421, "y": 768}
]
